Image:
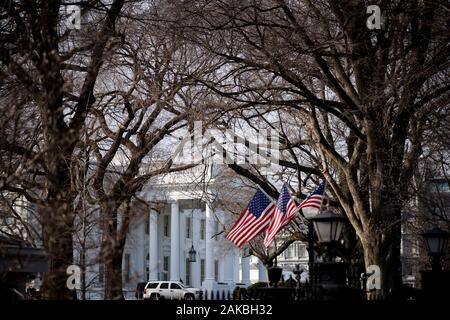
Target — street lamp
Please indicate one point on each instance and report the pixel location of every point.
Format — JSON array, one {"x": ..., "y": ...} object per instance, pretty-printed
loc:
[
  {"x": 328, "y": 226},
  {"x": 328, "y": 277},
  {"x": 192, "y": 255},
  {"x": 436, "y": 282},
  {"x": 436, "y": 241}
]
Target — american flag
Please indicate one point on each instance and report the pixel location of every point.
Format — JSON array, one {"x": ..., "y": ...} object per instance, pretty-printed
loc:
[
  {"x": 253, "y": 220},
  {"x": 284, "y": 213},
  {"x": 314, "y": 201}
]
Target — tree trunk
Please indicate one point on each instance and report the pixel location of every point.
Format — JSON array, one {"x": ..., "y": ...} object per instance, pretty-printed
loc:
[
  {"x": 57, "y": 223},
  {"x": 58, "y": 245},
  {"x": 113, "y": 275},
  {"x": 384, "y": 251},
  {"x": 60, "y": 256},
  {"x": 83, "y": 268},
  {"x": 112, "y": 249}
]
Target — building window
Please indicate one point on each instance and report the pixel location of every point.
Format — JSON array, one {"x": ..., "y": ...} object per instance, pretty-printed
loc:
[
  {"x": 166, "y": 225},
  {"x": 127, "y": 267},
  {"x": 101, "y": 273},
  {"x": 415, "y": 247},
  {"x": 202, "y": 229},
  {"x": 188, "y": 228},
  {"x": 166, "y": 264},
  {"x": 216, "y": 229},
  {"x": 165, "y": 268},
  {"x": 202, "y": 270},
  {"x": 288, "y": 252},
  {"x": 408, "y": 270},
  {"x": 301, "y": 250},
  {"x": 216, "y": 270},
  {"x": 7, "y": 220},
  {"x": 147, "y": 269},
  {"x": 188, "y": 272}
]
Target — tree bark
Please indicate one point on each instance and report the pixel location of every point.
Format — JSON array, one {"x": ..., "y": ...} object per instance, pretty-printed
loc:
[
  {"x": 113, "y": 245},
  {"x": 388, "y": 260},
  {"x": 57, "y": 224},
  {"x": 382, "y": 248},
  {"x": 60, "y": 256},
  {"x": 113, "y": 275}
]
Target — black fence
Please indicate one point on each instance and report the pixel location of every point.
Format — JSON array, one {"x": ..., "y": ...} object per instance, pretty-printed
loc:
[{"x": 305, "y": 292}]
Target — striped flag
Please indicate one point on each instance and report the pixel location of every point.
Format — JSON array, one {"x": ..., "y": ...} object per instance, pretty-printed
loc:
[
  {"x": 313, "y": 202},
  {"x": 253, "y": 220},
  {"x": 285, "y": 211}
]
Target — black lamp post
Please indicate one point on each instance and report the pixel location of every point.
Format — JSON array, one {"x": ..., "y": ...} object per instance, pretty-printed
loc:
[
  {"x": 436, "y": 282},
  {"x": 192, "y": 255},
  {"x": 328, "y": 278},
  {"x": 328, "y": 226},
  {"x": 436, "y": 241}
]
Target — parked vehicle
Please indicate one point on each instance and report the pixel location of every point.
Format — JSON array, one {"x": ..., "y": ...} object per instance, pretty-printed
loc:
[{"x": 173, "y": 290}]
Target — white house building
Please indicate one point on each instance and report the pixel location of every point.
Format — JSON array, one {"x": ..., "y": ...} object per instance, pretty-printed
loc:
[
  {"x": 158, "y": 248},
  {"x": 187, "y": 215}
]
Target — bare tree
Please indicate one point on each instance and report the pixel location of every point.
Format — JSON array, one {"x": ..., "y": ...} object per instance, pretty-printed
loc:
[
  {"x": 149, "y": 93},
  {"x": 37, "y": 54},
  {"x": 367, "y": 95}
]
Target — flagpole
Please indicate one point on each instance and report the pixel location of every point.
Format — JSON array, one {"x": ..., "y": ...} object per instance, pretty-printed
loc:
[
  {"x": 275, "y": 244},
  {"x": 311, "y": 258}
]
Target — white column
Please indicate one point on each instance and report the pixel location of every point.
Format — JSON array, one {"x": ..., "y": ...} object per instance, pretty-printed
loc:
[
  {"x": 229, "y": 267},
  {"x": 174, "y": 242},
  {"x": 262, "y": 272},
  {"x": 209, "y": 249},
  {"x": 182, "y": 246},
  {"x": 236, "y": 260},
  {"x": 195, "y": 266},
  {"x": 153, "y": 246},
  {"x": 245, "y": 265},
  {"x": 141, "y": 253},
  {"x": 221, "y": 275}
]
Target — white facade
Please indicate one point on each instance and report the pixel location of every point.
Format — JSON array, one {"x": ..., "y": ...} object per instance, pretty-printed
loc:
[
  {"x": 160, "y": 251},
  {"x": 295, "y": 254},
  {"x": 157, "y": 248},
  {"x": 159, "y": 241}
]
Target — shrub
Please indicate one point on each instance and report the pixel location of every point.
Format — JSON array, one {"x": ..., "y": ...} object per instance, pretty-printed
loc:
[
  {"x": 239, "y": 293},
  {"x": 252, "y": 290}
]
